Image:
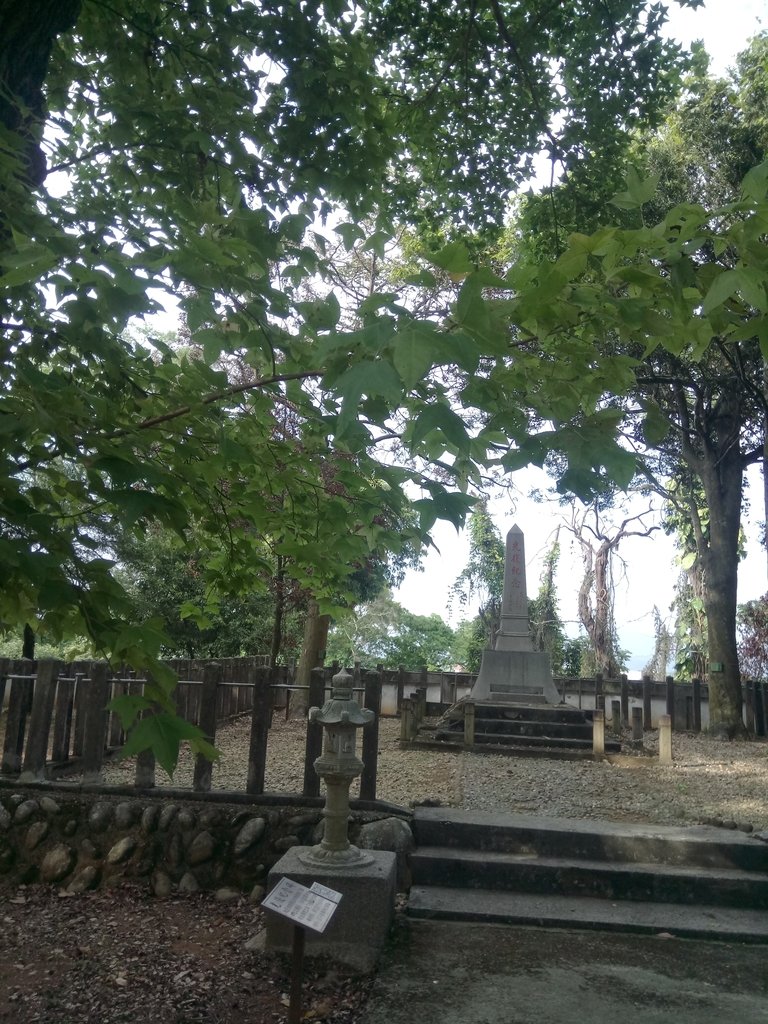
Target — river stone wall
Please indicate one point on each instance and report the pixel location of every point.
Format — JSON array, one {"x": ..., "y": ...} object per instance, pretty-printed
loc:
[{"x": 80, "y": 841}]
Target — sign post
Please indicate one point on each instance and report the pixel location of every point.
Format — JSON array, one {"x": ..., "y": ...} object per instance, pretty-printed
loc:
[{"x": 311, "y": 907}]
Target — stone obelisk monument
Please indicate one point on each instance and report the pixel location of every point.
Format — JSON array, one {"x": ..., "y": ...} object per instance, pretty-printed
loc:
[{"x": 512, "y": 672}]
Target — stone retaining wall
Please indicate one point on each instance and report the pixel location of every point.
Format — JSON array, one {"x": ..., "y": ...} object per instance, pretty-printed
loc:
[{"x": 81, "y": 841}]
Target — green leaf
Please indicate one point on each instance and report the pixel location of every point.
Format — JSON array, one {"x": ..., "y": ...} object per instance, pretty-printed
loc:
[
  {"x": 377, "y": 243},
  {"x": 417, "y": 349},
  {"x": 454, "y": 258},
  {"x": 755, "y": 182},
  {"x": 27, "y": 272},
  {"x": 639, "y": 191},
  {"x": 162, "y": 733},
  {"x": 722, "y": 288},
  {"x": 620, "y": 465},
  {"x": 349, "y": 233},
  {"x": 441, "y": 417},
  {"x": 321, "y": 314},
  {"x": 368, "y": 377},
  {"x": 655, "y": 425},
  {"x": 128, "y": 708},
  {"x": 688, "y": 560}
]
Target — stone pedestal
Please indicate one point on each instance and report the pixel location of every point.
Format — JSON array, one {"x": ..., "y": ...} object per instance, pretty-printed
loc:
[
  {"x": 358, "y": 930},
  {"x": 521, "y": 677}
]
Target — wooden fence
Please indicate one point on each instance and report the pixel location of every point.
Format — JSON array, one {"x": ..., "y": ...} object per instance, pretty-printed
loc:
[
  {"x": 56, "y": 722},
  {"x": 683, "y": 702}
]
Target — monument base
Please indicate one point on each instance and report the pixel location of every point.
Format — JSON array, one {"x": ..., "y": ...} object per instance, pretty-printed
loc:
[
  {"x": 358, "y": 930},
  {"x": 515, "y": 677}
]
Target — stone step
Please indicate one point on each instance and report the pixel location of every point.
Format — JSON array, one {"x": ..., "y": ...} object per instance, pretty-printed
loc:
[
  {"x": 521, "y": 712},
  {"x": 529, "y": 835},
  {"x": 494, "y": 907},
  {"x": 514, "y": 739},
  {"x": 564, "y": 876},
  {"x": 530, "y": 727}
]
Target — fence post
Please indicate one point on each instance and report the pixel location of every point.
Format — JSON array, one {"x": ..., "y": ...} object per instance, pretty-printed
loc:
[
  {"x": 647, "y": 703},
  {"x": 759, "y": 709},
  {"x": 665, "y": 739},
  {"x": 616, "y": 717},
  {"x": 40, "y": 720},
  {"x": 670, "y": 700},
  {"x": 405, "y": 719},
  {"x": 370, "y": 752},
  {"x": 201, "y": 779},
  {"x": 599, "y": 695},
  {"x": 144, "y": 777},
  {"x": 95, "y": 724},
  {"x": 115, "y": 731},
  {"x": 637, "y": 725},
  {"x": 313, "y": 746},
  {"x": 598, "y": 731},
  {"x": 469, "y": 723},
  {"x": 79, "y": 705},
  {"x": 624, "y": 701},
  {"x": 62, "y": 719},
  {"x": 261, "y": 714},
  {"x": 749, "y": 706},
  {"x": 15, "y": 724},
  {"x": 421, "y": 694},
  {"x": 696, "y": 700},
  {"x": 400, "y": 687}
]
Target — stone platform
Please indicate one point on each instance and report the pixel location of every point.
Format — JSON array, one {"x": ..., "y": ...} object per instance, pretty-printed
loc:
[{"x": 358, "y": 930}]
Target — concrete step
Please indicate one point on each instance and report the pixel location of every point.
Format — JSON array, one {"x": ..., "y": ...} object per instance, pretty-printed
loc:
[
  {"x": 502, "y": 741},
  {"x": 699, "y": 922},
  {"x": 521, "y": 712},
  {"x": 573, "y": 838},
  {"x": 601, "y": 879},
  {"x": 532, "y": 727}
]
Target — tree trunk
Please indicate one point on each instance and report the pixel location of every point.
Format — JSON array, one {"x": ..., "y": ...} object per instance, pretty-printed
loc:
[
  {"x": 722, "y": 478},
  {"x": 28, "y": 32},
  {"x": 312, "y": 655},
  {"x": 28, "y": 643},
  {"x": 721, "y": 571},
  {"x": 277, "y": 619},
  {"x": 765, "y": 465}
]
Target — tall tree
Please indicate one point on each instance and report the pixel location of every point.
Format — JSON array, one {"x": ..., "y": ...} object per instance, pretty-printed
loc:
[
  {"x": 481, "y": 581},
  {"x": 698, "y": 404},
  {"x": 753, "y": 638},
  {"x": 197, "y": 145},
  {"x": 383, "y": 632},
  {"x": 547, "y": 630},
  {"x": 599, "y": 542},
  {"x": 656, "y": 667}
]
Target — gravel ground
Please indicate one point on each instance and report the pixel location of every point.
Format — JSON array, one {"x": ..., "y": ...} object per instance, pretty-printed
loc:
[
  {"x": 708, "y": 779},
  {"x": 117, "y": 956}
]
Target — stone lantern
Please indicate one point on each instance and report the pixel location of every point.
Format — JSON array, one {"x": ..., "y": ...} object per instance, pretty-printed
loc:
[{"x": 338, "y": 766}]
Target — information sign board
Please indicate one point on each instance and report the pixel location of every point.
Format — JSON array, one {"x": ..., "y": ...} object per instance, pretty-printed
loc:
[{"x": 309, "y": 907}]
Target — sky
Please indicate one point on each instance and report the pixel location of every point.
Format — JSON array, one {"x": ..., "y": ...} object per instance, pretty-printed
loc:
[{"x": 648, "y": 569}]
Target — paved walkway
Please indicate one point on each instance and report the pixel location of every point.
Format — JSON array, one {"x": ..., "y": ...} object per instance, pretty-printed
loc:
[{"x": 438, "y": 972}]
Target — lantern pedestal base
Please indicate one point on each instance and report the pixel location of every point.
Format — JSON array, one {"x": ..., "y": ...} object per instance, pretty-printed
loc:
[{"x": 358, "y": 930}]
